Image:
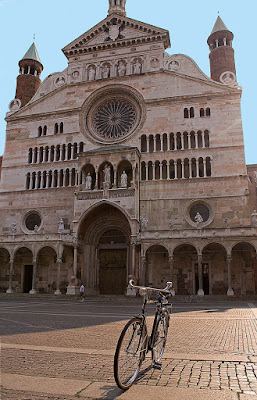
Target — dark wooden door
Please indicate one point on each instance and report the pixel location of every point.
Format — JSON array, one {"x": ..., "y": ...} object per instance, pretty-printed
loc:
[{"x": 113, "y": 271}]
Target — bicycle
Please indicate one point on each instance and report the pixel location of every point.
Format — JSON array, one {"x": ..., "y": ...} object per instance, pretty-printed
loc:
[{"x": 134, "y": 342}]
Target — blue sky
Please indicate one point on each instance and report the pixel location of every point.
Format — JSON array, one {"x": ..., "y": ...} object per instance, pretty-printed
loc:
[{"x": 57, "y": 22}]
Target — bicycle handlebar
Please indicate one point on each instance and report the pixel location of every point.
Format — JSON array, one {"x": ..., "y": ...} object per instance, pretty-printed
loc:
[{"x": 166, "y": 290}]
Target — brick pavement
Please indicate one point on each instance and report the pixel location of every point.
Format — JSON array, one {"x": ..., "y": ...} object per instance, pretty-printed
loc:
[{"x": 222, "y": 345}]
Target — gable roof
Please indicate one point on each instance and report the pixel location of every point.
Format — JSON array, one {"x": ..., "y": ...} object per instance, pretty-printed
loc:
[{"x": 97, "y": 37}]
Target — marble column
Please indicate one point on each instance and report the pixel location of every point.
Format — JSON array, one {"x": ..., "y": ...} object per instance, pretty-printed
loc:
[
  {"x": 200, "y": 275},
  {"x": 147, "y": 144},
  {"x": 142, "y": 271},
  {"x": 75, "y": 261},
  {"x": 33, "y": 289},
  {"x": 154, "y": 144},
  {"x": 59, "y": 263},
  {"x": 230, "y": 291},
  {"x": 175, "y": 170},
  {"x": 133, "y": 255},
  {"x": 168, "y": 141},
  {"x": 10, "y": 289},
  {"x": 171, "y": 265}
]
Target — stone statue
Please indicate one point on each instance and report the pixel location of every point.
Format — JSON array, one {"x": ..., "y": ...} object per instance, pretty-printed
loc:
[
  {"x": 60, "y": 226},
  {"x": 88, "y": 181},
  {"x": 144, "y": 222},
  {"x": 105, "y": 72},
  {"x": 137, "y": 67},
  {"x": 121, "y": 69},
  {"x": 124, "y": 180},
  {"x": 171, "y": 225},
  {"x": 36, "y": 229},
  {"x": 198, "y": 219},
  {"x": 14, "y": 227},
  {"x": 107, "y": 174},
  {"x": 91, "y": 73},
  {"x": 227, "y": 224},
  {"x": 254, "y": 219}
]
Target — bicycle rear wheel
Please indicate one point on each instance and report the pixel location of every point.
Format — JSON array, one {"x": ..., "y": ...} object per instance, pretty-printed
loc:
[
  {"x": 160, "y": 336},
  {"x": 130, "y": 352}
]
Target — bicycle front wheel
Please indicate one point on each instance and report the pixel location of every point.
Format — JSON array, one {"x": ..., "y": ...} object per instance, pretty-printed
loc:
[
  {"x": 160, "y": 336},
  {"x": 130, "y": 352}
]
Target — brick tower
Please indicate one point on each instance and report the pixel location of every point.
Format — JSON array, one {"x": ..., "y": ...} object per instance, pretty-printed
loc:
[
  {"x": 28, "y": 80},
  {"x": 222, "y": 61}
]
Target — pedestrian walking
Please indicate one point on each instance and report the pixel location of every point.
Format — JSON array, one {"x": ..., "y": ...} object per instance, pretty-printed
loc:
[{"x": 82, "y": 292}]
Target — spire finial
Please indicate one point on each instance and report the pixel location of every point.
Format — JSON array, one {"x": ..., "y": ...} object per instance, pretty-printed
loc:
[
  {"x": 34, "y": 36},
  {"x": 117, "y": 7}
]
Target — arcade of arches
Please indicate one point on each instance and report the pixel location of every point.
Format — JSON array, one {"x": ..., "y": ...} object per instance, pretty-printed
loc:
[{"x": 108, "y": 253}]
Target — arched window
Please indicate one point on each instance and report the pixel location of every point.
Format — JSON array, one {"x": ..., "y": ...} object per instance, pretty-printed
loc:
[
  {"x": 143, "y": 171},
  {"x": 164, "y": 169},
  {"x": 67, "y": 177},
  {"x": 150, "y": 171},
  {"x": 172, "y": 141},
  {"x": 201, "y": 112},
  {"x": 206, "y": 138},
  {"x": 157, "y": 169},
  {"x": 143, "y": 144},
  {"x": 41, "y": 152},
  {"x": 33, "y": 180},
  {"x": 75, "y": 146},
  {"x": 172, "y": 169},
  {"x": 192, "y": 112},
  {"x": 58, "y": 152},
  {"x": 179, "y": 141},
  {"x": 158, "y": 142},
  {"x": 186, "y": 168},
  {"x": 208, "y": 166},
  {"x": 73, "y": 177},
  {"x": 28, "y": 180},
  {"x": 56, "y": 127},
  {"x": 193, "y": 164},
  {"x": 30, "y": 156},
  {"x": 201, "y": 167},
  {"x": 185, "y": 137},
  {"x": 61, "y": 127},
  {"x": 186, "y": 113},
  {"x": 40, "y": 131},
  {"x": 44, "y": 180},
  {"x": 200, "y": 139},
  {"x": 45, "y": 130},
  {"x": 69, "y": 151},
  {"x": 81, "y": 147},
  {"x": 164, "y": 142},
  {"x": 192, "y": 140},
  {"x": 38, "y": 181},
  {"x": 208, "y": 112},
  {"x": 151, "y": 144},
  {"x": 55, "y": 178},
  {"x": 179, "y": 169},
  {"x": 46, "y": 153},
  {"x": 52, "y": 154}
]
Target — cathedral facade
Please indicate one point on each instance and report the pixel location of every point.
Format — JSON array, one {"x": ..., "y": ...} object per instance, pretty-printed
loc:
[{"x": 129, "y": 162}]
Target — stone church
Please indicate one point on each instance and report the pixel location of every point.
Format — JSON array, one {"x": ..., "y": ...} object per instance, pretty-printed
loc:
[{"x": 129, "y": 162}]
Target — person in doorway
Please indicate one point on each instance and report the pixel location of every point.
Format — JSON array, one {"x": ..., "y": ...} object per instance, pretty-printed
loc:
[{"x": 82, "y": 292}]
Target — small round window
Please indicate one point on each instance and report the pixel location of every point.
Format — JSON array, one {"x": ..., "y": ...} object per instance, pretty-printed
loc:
[
  {"x": 199, "y": 209},
  {"x": 33, "y": 219}
]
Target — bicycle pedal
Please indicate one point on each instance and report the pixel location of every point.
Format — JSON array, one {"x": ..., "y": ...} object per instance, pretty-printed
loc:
[{"x": 157, "y": 365}]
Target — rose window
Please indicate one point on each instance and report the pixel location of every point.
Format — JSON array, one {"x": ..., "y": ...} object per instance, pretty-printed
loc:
[{"x": 114, "y": 118}]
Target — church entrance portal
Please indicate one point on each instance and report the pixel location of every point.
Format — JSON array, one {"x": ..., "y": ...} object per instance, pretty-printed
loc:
[{"x": 113, "y": 262}]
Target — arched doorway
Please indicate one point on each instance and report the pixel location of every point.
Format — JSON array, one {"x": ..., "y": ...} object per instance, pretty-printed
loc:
[
  {"x": 4, "y": 269},
  {"x": 112, "y": 262},
  {"x": 158, "y": 269},
  {"x": 23, "y": 270},
  {"x": 244, "y": 268},
  {"x": 185, "y": 259},
  {"x": 106, "y": 260},
  {"x": 46, "y": 270},
  {"x": 215, "y": 270}
]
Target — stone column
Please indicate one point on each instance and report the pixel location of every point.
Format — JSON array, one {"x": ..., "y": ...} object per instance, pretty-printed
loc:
[
  {"x": 147, "y": 144},
  {"x": 200, "y": 276},
  {"x": 153, "y": 167},
  {"x": 33, "y": 290},
  {"x": 70, "y": 177},
  {"x": 182, "y": 142},
  {"x": 96, "y": 179},
  {"x": 58, "y": 179},
  {"x": 115, "y": 178},
  {"x": 171, "y": 265},
  {"x": 175, "y": 142},
  {"x": 75, "y": 261},
  {"x": 72, "y": 151},
  {"x": 44, "y": 155},
  {"x": 34, "y": 156},
  {"x": 154, "y": 144},
  {"x": 59, "y": 262},
  {"x": 175, "y": 170},
  {"x": 133, "y": 253},
  {"x": 142, "y": 271},
  {"x": 55, "y": 154},
  {"x": 168, "y": 170},
  {"x": 161, "y": 139},
  {"x": 168, "y": 141},
  {"x": 47, "y": 180},
  {"x": 66, "y": 152},
  {"x": 189, "y": 141},
  {"x": 196, "y": 141},
  {"x": 160, "y": 170},
  {"x": 10, "y": 289},
  {"x": 204, "y": 168},
  {"x": 230, "y": 291},
  {"x": 61, "y": 154},
  {"x": 146, "y": 172},
  {"x": 197, "y": 168},
  {"x": 37, "y": 180}
]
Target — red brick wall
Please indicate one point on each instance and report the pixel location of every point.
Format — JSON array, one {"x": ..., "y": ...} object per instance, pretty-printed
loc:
[{"x": 252, "y": 185}]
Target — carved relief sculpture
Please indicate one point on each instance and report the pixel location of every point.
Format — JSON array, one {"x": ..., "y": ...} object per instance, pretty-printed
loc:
[
  {"x": 105, "y": 71},
  {"x": 144, "y": 222},
  {"x": 121, "y": 68},
  {"x": 14, "y": 227},
  {"x": 198, "y": 219},
  {"x": 227, "y": 224},
  {"x": 91, "y": 73},
  {"x": 137, "y": 67},
  {"x": 107, "y": 174}
]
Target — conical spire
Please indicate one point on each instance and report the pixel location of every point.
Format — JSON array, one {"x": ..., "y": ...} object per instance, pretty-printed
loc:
[
  {"x": 32, "y": 54},
  {"x": 117, "y": 7},
  {"x": 219, "y": 26}
]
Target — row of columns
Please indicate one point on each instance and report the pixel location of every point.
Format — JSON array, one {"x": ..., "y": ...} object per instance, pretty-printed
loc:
[
  {"x": 62, "y": 153},
  {"x": 38, "y": 180},
  {"x": 22, "y": 71},
  {"x": 178, "y": 140},
  {"x": 200, "y": 292},
  {"x": 190, "y": 174}
]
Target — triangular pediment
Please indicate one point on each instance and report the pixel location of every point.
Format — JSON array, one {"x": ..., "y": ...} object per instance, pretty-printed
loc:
[{"x": 116, "y": 30}]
